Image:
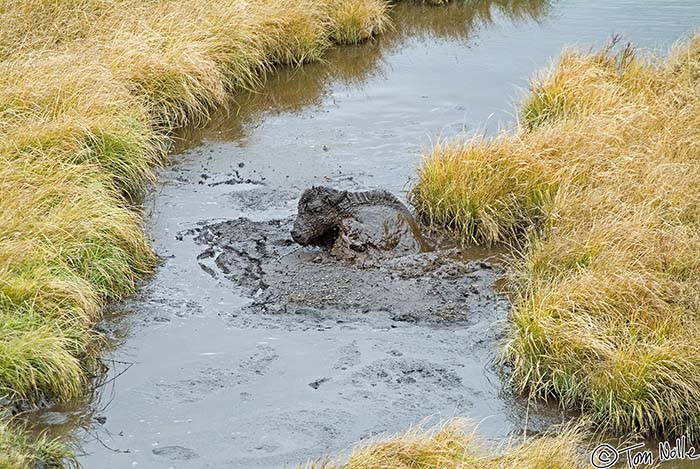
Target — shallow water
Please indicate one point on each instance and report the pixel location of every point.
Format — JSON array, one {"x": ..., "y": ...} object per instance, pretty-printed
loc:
[{"x": 198, "y": 379}]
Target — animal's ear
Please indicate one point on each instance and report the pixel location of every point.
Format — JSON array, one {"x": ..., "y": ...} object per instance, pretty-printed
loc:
[
  {"x": 305, "y": 196},
  {"x": 337, "y": 197}
]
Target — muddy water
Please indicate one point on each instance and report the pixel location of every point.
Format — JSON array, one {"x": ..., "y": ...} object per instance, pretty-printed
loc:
[{"x": 243, "y": 351}]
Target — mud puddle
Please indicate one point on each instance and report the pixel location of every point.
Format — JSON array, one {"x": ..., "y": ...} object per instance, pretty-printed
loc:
[{"x": 244, "y": 351}]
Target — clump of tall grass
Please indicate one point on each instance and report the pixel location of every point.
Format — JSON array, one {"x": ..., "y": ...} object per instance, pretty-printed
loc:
[
  {"x": 600, "y": 190},
  {"x": 54, "y": 108},
  {"x": 354, "y": 22},
  {"x": 68, "y": 243},
  {"x": 454, "y": 446}
]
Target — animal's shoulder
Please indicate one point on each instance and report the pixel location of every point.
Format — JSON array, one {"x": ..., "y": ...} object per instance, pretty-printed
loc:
[
  {"x": 377, "y": 198},
  {"x": 377, "y": 213}
]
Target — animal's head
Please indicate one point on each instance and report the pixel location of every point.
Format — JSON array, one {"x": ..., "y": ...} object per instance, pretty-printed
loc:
[{"x": 318, "y": 216}]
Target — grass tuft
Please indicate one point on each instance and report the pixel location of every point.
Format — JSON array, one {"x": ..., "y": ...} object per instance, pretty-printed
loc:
[
  {"x": 355, "y": 22},
  {"x": 454, "y": 446}
]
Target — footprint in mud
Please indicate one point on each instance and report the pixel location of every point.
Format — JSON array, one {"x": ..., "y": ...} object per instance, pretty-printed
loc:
[
  {"x": 262, "y": 198},
  {"x": 398, "y": 372},
  {"x": 175, "y": 453},
  {"x": 209, "y": 380},
  {"x": 350, "y": 356},
  {"x": 401, "y": 387},
  {"x": 164, "y": 306},
  {"x": 294, "y": 434},
  {"x": 198, "y": 387},
  {"x": 257, "y": 364}
]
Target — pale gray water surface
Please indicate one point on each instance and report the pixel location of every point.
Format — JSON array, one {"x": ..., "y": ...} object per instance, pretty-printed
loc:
[{"x": 216, "y": 383}]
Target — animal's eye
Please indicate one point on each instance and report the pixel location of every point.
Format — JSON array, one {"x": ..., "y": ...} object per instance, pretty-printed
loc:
[{"x": 317, "y": 209}]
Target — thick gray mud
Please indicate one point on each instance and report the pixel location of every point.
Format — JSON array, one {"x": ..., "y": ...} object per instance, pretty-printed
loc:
[
  {"x": 282, "y": 278},
  {"x": 245, "y": 351}
]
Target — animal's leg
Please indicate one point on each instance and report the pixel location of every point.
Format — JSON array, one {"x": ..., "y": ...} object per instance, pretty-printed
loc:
[{"x": 353, "y": 243}]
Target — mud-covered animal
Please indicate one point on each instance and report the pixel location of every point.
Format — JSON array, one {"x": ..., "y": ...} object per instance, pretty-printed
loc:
[{"x": 361, "y": 227}]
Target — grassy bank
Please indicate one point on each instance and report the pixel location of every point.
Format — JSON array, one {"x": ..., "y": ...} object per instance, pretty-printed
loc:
[
  {"x": 89, "y": 91},
  {"x": 599, "y": 189},
  {"x": 455, "y": 446}
]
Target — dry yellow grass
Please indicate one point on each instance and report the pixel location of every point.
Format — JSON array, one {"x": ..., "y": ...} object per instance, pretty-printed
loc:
[
  {"x": 354, "y": 22},
  {"x": 455, "y": 446},
  {"x": 68, "y": 243},
  {"x": 600, "y": 190}
]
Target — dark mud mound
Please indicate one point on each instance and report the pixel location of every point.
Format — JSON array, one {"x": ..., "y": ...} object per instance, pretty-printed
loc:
[{"x": 283, "y": 278}]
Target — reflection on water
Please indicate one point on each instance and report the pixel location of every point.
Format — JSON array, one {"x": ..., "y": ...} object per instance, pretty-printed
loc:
[
  {"x": 457, "y": 21},
  {"x": 290, "y": 89}
]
